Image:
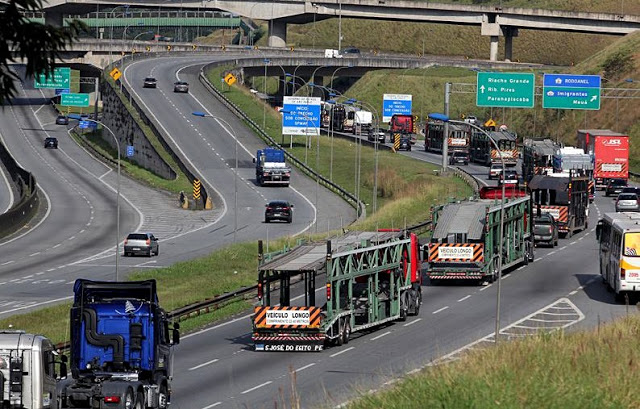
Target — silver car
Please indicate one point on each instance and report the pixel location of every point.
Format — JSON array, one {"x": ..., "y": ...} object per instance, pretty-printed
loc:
[
  {"x": 627, "y": 202},
  {"x": 181, "y": 86},
  {"x": 141, "y": 243}
]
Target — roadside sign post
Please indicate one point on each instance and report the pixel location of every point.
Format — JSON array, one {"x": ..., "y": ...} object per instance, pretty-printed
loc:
[
  {"x": 74, "y": 100},
  {"x": 393, "y": 104},
  {"x": 563, "y": 91},
  {"x": 505, "y": 89},
  {"x": 60, "y": 79},
  {"x": 130, "y": 151}
]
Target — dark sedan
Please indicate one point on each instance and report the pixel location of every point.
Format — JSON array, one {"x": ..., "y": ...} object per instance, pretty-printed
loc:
[
  {"x": 150, "y": 82},
  {"x": 278, "y": 210},
  {"x": 51, "y": 143},
  {"x": 545, "y": 230},
  {"x": 405, "y": 144},
  {"x": 62, "y": 120},
  {"x": 615, "y": 186}
]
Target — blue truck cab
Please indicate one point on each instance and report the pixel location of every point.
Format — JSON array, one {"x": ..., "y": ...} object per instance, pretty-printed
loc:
[
  {"x": 121, "y": 347},
  {"x": 271, "y": 168}
]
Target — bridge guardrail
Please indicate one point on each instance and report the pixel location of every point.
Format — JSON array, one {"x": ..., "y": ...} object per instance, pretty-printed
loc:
[{"x": 349, "y": 197}]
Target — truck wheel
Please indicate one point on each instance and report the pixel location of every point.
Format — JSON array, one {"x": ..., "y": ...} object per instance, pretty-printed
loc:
[
  {"x": 140, "y": 403},
  {"x": 128, "y": 400},
  {"x": 347, "y": 331},
  {"x": 163, "y": 397},
  {"x": 403, "y": 307},
  {"x": 340, "y": 340}
]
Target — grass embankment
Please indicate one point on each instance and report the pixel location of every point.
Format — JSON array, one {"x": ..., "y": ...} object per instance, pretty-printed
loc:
[
  {"x": 407, "y": 189},
  {"x": 596, "y": 369}
]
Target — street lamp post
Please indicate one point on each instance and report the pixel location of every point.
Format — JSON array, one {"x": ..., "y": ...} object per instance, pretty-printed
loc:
[
  {"x": 79, "y": 118},
  {"x": 445, "y": 119},
  {"x": 235, "y": 173}
]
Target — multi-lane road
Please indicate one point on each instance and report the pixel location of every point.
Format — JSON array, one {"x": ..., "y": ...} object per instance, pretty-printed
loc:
[{"x": 216, "y": 367}]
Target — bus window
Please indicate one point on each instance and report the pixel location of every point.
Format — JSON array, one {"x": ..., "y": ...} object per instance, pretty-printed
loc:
[{"x": 632, "y": 244}]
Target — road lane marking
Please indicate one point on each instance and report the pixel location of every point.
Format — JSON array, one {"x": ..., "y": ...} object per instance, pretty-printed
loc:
[
  {"x": 440, "y": 310},
  {"x": 203, "y": 364},
  {"x": 552, "y": 252},
  {"x": 34, "y": 254},
  {"x": 305, "y": 367},
  {"x": 8, "y": 262},
  {"x": 381, "y": 335},
  {"x": 504, "y": 277},
  {"x": 574, "y": 292},
  {"x": 464, "y": 298},
  {"x": 212, "y": 405},
  {"x": 256, "y": 387},
  {"x": 520, "y": 268},
  {"x": 341, "y": 352},
  {"x": 485, "y": 287},
  {"x": 412, "y": 322}
]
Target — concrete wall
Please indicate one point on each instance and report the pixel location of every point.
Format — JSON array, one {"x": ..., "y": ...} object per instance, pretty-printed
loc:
[{"x": 116, "y": 116}]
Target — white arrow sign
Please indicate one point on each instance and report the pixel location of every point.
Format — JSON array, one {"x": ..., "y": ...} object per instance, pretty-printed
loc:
[{"x": 482, "y": 89}]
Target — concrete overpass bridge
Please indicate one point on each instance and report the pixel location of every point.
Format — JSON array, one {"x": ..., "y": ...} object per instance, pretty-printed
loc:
[{"x": 493, "y": 21}]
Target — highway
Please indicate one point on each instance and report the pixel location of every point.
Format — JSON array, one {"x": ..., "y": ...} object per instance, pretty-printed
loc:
[
  {"x": 217, "y": 367},
  {"x": 7, "y": 194}
]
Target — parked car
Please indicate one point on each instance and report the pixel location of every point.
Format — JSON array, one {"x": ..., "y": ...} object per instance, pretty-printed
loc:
[
  {"x": 545, "y": 230},
  {"x": 459, "y": 158},
  {"x": 615, "y": 186},
  {"x": 495, "y": 170},
  {"x": 508, "y": 177},
  {"x": 405, "y": 144},
  {"x": 141, "y": 243},
  {"x": 51, "y": 142},
  {"x": 62, "y": 120},
  {"x": 150, "y": 82},
  {"x": 627, "y": 202},
  {"x": 278, "y": 210},
  {"x": 181, "y": 86}
]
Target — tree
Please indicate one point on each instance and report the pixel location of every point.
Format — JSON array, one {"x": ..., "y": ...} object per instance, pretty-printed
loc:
[{"x": 34, "y": 44}]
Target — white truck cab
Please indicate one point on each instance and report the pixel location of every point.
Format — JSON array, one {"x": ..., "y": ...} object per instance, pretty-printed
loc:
[{"x": 27, "y": 371}]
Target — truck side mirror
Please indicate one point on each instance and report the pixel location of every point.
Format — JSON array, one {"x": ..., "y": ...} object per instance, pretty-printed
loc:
[
  {"x": 176, "y": 334},
  {"x": 254, "y": 160}
]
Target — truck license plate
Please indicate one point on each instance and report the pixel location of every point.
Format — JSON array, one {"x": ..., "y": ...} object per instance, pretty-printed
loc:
[{"x": 136, "y": 249}]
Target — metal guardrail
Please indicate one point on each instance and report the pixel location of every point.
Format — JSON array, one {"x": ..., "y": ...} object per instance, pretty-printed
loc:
[{"x": 349, "y": 197}]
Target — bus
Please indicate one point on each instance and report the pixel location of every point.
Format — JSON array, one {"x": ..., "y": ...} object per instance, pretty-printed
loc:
[
  {"x": 482, "y": 150},
  {"x": 458, "y": 137},
  {"x": 618, "y": 235}
]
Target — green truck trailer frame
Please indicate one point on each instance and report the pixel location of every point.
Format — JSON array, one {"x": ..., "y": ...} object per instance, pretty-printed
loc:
[
  {"x": 465, "y": 236},
  {"x": 370, "y": 278}
]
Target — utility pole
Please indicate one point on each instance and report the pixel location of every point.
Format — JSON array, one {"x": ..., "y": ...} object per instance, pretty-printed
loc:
[{"x": 445, "y": 137}]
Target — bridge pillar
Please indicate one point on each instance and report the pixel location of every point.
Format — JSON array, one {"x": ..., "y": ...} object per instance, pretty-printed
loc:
[
  {"x": 278, "y": 33},
  {"x": 509, "y": 33},
  {"x": 493, "y": 48},
  {"x": 53, "y": 18}
]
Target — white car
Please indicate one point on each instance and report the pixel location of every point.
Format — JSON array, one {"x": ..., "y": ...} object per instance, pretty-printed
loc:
[{"x": 495, "y": 170}]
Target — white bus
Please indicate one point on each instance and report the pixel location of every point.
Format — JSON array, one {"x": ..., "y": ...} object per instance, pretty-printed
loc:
[{"x": 619, "y": 238}]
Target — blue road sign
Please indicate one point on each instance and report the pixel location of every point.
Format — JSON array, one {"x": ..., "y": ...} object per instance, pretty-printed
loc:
[
  {"x": 395, "y": 104},
  {"x": 62, "y": 91},
  {"x": 130, "y": 151},
  {"x": 573, "y": 81},
  {"x": 563, "y": 91},
  {"x": 301, "y": 116},
  {"x": 84, "y": 124}
]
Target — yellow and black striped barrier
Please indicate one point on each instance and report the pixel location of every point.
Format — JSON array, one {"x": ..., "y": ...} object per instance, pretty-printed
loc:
[
  {"x": 396, "y": 141},
  {"x": 196, "y": 189}
]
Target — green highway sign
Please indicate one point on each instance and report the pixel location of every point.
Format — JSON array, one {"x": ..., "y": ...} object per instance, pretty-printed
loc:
[
  {"x": 565, "y": 91},
  {"x": 61, "y": 78},
  {"x": 505, "y": 89},
  {"x": 74, "y": 100}
]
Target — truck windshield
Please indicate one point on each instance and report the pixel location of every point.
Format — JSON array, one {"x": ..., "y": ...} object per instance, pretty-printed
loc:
[{"x": 632, "y": 244}]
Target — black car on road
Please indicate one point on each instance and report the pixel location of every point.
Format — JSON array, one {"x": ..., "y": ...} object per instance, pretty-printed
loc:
[
  {"x": 62, "y": 120},
  {"x": 615, "y": 186},
  {"x": 405, "y": 144},
  {"x": 278, "y": 210},
  {"x": 150, "y": 82},
  {"x": 545, "y": 230},
  {"x": 51, "y": 143},
  {"x": 459, "y": 158}
]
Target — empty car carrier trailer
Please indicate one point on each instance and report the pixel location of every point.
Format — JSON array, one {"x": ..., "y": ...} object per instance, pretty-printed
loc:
[{"x": 370, "y": 278}]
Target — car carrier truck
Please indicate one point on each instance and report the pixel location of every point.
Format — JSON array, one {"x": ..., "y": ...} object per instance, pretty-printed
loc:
[
  {"x": 28, "y": 372},
  {"x": 121, "y": 349},
  {"x": 271, "y": 168},
  {"x": 565, "y": 196},
  {"x": 465, "y": 236},
  {"x": 370, "y": 278}
]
